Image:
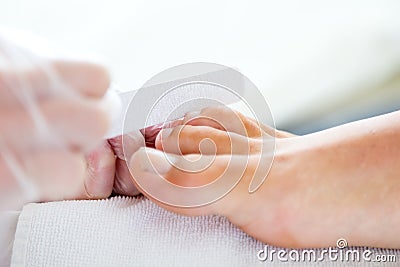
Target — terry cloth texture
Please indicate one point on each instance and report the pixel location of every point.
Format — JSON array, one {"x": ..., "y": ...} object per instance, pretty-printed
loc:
[{"x": 124, "y": 231}]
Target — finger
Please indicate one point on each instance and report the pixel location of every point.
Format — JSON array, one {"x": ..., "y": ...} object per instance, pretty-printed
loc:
[
  {"x": 125, "y": 145},
  {"x": 227, "y": 180},
  {"x": 150, "y": 133},
  {"x": 60, "y": 78},
  {"x": 101, "y": 170},
  {"x": 76, "y": 123},
  {"x": 226, "y": 119},
  {"x": 87, "y": 78},
  {"x": 148, "y": 164},
  {"x": 123, "y": 183},
  {"x": 205, "y": 140},
  {"x": 54, "y": 174},
  {"x": 222, "y": 118}
]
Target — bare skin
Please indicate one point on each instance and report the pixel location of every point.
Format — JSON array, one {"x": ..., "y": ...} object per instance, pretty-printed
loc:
[{"x": 339, "y": 183}]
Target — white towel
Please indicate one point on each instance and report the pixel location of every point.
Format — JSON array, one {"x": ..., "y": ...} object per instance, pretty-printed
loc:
[{"x": 124, "y": 231}]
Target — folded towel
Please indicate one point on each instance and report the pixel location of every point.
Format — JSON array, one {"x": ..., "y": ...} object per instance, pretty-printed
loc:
[{"x": 124, "y": 231}]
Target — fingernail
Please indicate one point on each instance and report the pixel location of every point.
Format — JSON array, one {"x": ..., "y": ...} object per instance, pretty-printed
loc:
[{"x": 155, "y": 161}]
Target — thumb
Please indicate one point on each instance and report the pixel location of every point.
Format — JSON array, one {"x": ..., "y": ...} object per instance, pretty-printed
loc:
[
  {"x": 188, "y": 185},
  {"x": 100, "y": 171}
]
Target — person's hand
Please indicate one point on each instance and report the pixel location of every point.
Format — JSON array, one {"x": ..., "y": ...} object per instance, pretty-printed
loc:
[
  {"x": 107, "y": 165},
  {"x": 339, "y": 183},
  {"x": 52, "y": 112},
  {"x": 232, "y": 134},
  {"x": 107, "y": 168}
]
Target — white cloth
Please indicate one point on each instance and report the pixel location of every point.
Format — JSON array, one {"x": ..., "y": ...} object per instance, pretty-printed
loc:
[{"x": 125, "y": 231}]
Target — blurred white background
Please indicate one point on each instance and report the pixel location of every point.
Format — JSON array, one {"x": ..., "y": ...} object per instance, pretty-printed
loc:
[{"x": 318, "y": 63}]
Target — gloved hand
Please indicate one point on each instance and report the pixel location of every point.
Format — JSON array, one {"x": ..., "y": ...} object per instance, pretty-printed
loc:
[{"x": 52, "y": 113}]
